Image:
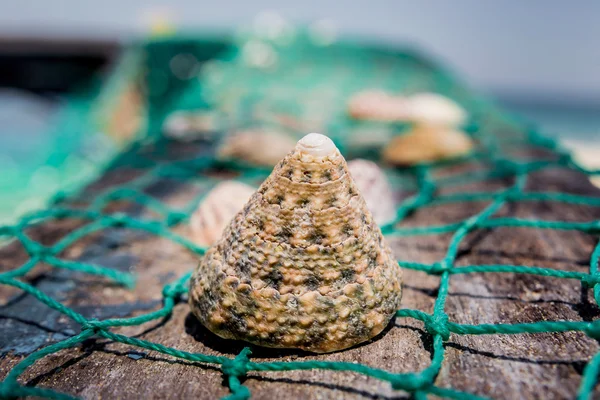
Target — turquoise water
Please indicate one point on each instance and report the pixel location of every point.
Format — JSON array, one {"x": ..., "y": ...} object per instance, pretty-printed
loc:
[
  {"x": 576, "y": 123},
  {"x": 40, "y": 152},
  {"x": 25, "y": 145}
]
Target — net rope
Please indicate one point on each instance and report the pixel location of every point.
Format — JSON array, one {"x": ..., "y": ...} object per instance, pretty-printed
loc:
[{"x": 437, "y": 324}]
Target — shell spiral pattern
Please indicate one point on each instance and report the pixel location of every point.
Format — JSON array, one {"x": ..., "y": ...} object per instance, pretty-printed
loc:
[{"x": 303, "y": 265}]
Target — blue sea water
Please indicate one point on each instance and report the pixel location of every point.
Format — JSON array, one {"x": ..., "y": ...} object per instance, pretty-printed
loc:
[
  {"x": 581, "y": 123},
  {"x": 38, "y": 154}
]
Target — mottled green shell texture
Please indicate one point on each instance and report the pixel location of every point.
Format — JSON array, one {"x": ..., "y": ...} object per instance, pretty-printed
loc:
[{"x": 303, "y": 265}]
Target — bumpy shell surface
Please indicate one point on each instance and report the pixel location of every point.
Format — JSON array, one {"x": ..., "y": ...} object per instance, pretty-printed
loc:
[
  {"x": 303, "y": 265},
  {"x": 375, "y": 189},
  {"x": 217, "y": 210},
  {"x": 256, "y": 147},
  {"x": 187, "y": 126},
  {"x": 426, "y": 143},
  {"x": 435, "y": 109},
  {"x": 377, "y": 105}
]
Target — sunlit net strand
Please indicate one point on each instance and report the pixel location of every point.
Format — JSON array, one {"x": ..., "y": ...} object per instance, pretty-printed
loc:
[
  {"x": 95, "y": 219},
  {"x": 437, "y": 324}
]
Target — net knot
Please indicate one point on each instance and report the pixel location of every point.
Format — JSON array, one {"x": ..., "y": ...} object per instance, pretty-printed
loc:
[
  {"x": 36, "y": 249},
  {"x": 590, "y": 280},
  {"x": 439, "y": 268},
  {"x": 119, "y": 219},
  {"x": 237, "y": 366},
  {"x": 511, "y": 167},
  {"x": 92, "y": 324},
  {"x": 512, "y": 193},
  {"x": 175, "y": 218},
  {"x": 409, "y": 383},
  {"x": 61, "y": 213},
  {"x": 173, "y": 290},
  {"x": 438, "y": 325},
  {"x": 593, "y": 330}
]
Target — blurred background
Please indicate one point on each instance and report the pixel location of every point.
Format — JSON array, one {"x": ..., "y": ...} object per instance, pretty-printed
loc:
[{"x": 539, "y": 58}]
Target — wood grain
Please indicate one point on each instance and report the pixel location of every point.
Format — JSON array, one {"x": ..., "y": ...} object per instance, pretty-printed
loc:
[{"x": 500, "y": 366}]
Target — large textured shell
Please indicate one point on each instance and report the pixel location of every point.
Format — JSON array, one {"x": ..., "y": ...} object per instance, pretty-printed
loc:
[
  {"x": 216, "y": 211},
  {"x": 427, "y": 143},
  {"x": 187, "y": 126},
  {"x": 375, "y": 189},
  {"x": 256, "y": 147},
  {"x": 304, "y": 265}
]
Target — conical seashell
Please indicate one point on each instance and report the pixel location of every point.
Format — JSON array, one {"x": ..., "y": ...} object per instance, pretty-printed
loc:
[
  {"x": 377, "y": 105},
  {"x": 256, "y": 147},
  {"x": 303, "y": 265},
  {"x": 435, "y": 109},
  {"x": 217, "y": 210},
  {"x": 426, "y": 143},
  {"x": 187, "y": 126},
  {"x": 375, "y": 189}
]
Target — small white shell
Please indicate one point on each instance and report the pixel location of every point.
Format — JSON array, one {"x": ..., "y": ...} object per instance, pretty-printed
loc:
[
  {"x": 257, "y": 147},
  {"x": 187, "y": 126},
  {"x": 316, "y": 145},
  {"x": 217, "y": 210},
  {"x": 435, "y": 109},
  {"x": 375, "y": 189}
]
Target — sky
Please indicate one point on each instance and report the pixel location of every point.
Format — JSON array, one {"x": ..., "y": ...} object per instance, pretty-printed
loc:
[{"x": 539, "y": 48}]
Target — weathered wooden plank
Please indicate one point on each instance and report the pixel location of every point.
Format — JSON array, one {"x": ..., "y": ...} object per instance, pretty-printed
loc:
[{"x": 500, "y": 366}]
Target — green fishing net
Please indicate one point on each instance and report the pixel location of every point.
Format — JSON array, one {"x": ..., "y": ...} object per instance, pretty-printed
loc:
[{"x": 296, "y": 87}]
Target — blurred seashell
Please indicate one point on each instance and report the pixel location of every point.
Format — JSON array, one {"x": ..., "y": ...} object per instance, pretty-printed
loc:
[
  {"x": 377, "y": 105},
  {"x": 219, "y": 207},
  {"x": 421, "y": 108},
  {"x": 256, "y": 147},
  {"x": 303, "y": 265},
  {"x": 126, "y": 116},
  {"x": 187, "y": 126},
  {"x": 427, "y": 143},
  {"x": 435, "y": 109},
  {"x": 585, "y": 154},
  {"x": 375, "y": 189}
]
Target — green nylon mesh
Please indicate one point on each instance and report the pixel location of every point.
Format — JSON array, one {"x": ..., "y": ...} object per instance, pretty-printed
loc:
[{"x": 222, "y": 92}]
